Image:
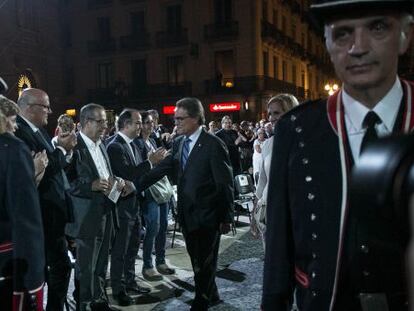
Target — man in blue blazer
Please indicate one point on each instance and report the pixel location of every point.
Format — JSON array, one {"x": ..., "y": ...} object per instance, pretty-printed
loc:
[{"x": 199, "y": 164}]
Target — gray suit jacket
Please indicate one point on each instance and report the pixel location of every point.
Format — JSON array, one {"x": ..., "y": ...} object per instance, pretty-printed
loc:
[{"x": 89, "y": 206}]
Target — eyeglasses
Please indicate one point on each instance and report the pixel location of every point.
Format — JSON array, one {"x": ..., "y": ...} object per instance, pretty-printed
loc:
[
  {"x": 100, "y": 122},
  {"x": 43, "y": 106},
  {"x": 181, "y": 119}
]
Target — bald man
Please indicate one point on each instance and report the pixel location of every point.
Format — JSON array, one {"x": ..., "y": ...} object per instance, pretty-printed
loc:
[{"x": 54, "y": 199}]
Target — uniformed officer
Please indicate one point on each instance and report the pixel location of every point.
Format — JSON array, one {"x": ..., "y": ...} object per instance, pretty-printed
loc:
[{"x": 316, "y": 242}]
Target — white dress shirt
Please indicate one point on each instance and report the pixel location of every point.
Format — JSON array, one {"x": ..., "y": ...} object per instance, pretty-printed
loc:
[
  {"x": 97, "y": 156},
  {"x": 194, "y": 137},
  {"x": 355, "y": 112}
]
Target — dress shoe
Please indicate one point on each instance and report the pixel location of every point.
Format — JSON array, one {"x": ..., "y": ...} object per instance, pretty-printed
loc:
[
  {"x": 136, "y": 289},
  {"x": 165, "y": 269},
  {"x": 123, "y": 299},
  {"x": 102, "y": 306},
  {"x": 214, "y": 302},
  {"x": 151, "y": 275}
]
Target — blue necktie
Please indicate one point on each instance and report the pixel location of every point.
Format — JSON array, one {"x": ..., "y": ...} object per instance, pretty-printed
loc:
[{"x": 185, "y": 152}]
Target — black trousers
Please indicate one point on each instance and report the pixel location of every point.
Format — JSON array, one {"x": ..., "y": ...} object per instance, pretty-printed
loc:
[
  {"x": 202, "y": 246},
  {"x": 124, "y": 253},
  {"x": 57, "y": 261}
]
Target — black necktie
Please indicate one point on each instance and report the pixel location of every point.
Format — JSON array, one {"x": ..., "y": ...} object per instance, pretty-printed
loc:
[
  {"x": 134, "y": 152},
  {"x": 370, "y": 120}
]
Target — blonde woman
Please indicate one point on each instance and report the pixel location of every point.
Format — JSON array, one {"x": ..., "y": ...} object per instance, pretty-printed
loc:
[{"x": 276, "y": 107}]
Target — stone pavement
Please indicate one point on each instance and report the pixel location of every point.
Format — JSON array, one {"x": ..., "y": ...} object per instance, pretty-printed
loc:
[{"x": 239, "y": 276}]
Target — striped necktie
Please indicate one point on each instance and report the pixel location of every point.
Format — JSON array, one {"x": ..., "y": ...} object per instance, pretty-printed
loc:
[{"x": 185, "y": 152}]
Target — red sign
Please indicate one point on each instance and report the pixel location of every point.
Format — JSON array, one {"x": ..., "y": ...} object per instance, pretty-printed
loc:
[
  {"x": 168, "y": 109},
  {"x": 225, "y": 107}
]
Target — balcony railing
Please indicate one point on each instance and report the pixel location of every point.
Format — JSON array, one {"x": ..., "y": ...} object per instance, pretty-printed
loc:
[
  {"x": 138, "y": 41},
  {"x": 102, "y": 46},
  {"x": 224, "y": 31},
  {"x": 272, "y": 34},
  {"x": 140, "y": 92},
  {"x": 254, "y": 84},
  {"x": 172, "y": 38},
  {"x": 161, "y": 90},
  {"x": 95, "y": 4}
]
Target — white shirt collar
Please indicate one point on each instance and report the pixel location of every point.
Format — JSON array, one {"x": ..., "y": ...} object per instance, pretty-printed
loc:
[
  {"x": 387, "y": 108},
  {"x": 194, "y": 137},
  {"x": 32, "y": 126},
  {"x": 89, "y": 142},
  {"x": 126, "y": 138}
]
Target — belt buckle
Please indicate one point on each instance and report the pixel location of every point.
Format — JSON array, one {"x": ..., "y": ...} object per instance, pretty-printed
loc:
[{"x": 373, "y": 301}]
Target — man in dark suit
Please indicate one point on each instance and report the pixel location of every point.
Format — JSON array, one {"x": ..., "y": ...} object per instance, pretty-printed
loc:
[
  {"x": 22, "y": 257},
  {"x": 335, "y": 255},
  {"x": 54, "y": 199},
  {"x": 92, "y": 181},
  {"x": 199, "y": 163},
  {"x": 127, "y": 163}
]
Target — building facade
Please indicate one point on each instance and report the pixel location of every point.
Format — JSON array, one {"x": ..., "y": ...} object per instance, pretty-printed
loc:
[
  {"x": 232, "y": 54},
  {"x": 150, "y": 53},
  {"x": 30, "y": 47}
]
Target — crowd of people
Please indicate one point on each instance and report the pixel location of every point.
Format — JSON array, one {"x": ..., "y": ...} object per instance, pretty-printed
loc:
[{"x": 89, "y": 190}]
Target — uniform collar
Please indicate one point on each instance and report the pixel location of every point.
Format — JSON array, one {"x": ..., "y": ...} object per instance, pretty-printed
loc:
[{"x": 387, "y": 108}]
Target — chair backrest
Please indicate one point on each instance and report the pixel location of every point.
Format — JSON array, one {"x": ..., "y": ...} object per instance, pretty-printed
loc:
[{"x": 243, "y": 184}]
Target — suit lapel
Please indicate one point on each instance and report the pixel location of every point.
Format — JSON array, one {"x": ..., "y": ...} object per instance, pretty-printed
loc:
[
  {"x": 108, "y": 164},
  {"x": 85, "y": 151},
  {"x": 127, "y": 149},
  {"x": 44, "y": 140}
]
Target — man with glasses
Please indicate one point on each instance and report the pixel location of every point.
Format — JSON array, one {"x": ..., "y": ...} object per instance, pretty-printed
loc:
[
  {"x": 53, "y": 189},
  {"x": 92, "y": 185},
  {"x": 199, "y": 164}
]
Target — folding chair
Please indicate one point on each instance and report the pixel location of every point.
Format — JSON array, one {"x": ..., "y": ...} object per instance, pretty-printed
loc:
[{"x": 244, "y": 195}]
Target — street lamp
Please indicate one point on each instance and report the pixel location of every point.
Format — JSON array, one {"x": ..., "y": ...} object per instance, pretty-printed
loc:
[{"x": 331, "y": 88}]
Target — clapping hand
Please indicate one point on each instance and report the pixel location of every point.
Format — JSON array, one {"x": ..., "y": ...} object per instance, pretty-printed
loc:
[{"x": 157, "y": 156}]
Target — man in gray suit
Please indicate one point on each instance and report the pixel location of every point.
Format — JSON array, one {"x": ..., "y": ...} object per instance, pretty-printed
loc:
[
  {"x": 127, "y": 163},
  {"x": 92, "y": 180},
  {"x": 199, "y": 163}
]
